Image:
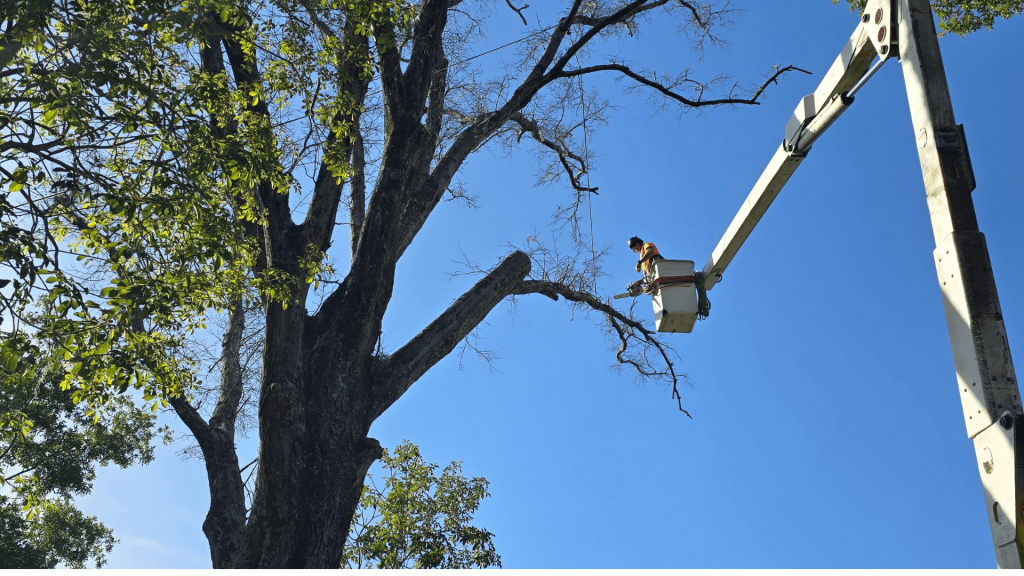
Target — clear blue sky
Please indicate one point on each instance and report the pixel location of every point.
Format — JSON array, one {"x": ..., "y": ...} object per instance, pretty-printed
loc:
[{"x": 826, "y": 430}]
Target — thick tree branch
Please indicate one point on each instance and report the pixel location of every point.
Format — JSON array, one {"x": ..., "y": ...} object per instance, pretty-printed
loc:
[
  {"x": 212, "y": 63},
  {"x": 390, "y": 65},
  {"x": 357, "y": 192},
  {"x": 518, "y": 11},
  {"x": 527, "y": 88},
  {"x": 226, "y": 519},
  {"x": 435, "y": 101},
  {"x": 323, "y": 207},
  {"x": 408, "y": 151},
  {"x": 441, "y": 336},
  {"x": 191, "y": 418},
  {"x": 419, "y": 205},
  {"x": 226, "y": 410},
  {"x": 426, "y": 52},
  {"x": 247, "y": 75},
  {"x": 626, "y": 12},
  {"x": 432, "y": 190}
]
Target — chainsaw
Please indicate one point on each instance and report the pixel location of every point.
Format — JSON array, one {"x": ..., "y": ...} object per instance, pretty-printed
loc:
[{"x": 633, "y": 289}]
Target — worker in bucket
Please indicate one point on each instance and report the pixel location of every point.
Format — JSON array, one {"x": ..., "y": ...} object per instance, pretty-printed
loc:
[{"x": 648, "y": 254}]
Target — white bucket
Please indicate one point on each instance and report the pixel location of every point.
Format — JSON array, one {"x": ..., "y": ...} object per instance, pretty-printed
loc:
[{"x": 675, "y": 307}]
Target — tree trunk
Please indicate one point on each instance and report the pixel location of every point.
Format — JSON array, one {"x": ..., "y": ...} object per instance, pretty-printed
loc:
[{"x": 317, "y": 405}]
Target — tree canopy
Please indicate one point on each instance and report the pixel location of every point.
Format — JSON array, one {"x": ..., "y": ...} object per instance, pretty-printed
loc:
[
  {"x": 419, "y": 519},
  {"x": 52, "y": 459}
]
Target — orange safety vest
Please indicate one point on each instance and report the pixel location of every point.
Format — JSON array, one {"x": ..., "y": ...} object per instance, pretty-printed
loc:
[{"x": 648, "y": 248}]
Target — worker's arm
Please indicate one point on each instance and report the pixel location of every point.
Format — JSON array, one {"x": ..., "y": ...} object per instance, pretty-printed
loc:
[{"x": 646, "y": 255}]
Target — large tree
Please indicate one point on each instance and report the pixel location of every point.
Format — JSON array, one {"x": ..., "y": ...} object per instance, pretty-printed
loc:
[{"x": 166, "y": 146}]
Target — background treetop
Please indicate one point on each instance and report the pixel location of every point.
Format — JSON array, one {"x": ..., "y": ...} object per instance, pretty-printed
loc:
[{"x": 961, "y": 17}]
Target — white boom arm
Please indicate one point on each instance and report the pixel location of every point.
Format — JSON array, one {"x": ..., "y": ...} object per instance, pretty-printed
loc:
[
  {"x": 986, "y": 380},
  {"x": 815, "y": 113}
]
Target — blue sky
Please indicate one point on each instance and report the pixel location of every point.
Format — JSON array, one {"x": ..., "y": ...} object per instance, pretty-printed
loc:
[{"x": 826, "y": 427}]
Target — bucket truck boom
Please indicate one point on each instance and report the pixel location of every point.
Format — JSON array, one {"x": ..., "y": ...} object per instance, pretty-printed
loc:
[{"x": 986, "y": 382}]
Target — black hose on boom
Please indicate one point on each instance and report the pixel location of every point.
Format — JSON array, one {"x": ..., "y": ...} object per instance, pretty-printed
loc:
[{"x": 703, "y": 304}]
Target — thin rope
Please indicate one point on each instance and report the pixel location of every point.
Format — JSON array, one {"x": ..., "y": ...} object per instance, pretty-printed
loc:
[
  {"x": 586, "y": 168},
  {"x": 590, "y": 205},
  {"x": 586, "y": 151},
  {"x": 524, "y": 38}
]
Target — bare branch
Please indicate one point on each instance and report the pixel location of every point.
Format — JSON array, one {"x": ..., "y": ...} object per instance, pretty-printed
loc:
[
  {"x": 528, "y": 88},
  {"x": 603, "y": 21},
  {"x": 668, "y": 93},
  {"x": 623, "y": 14},
  {"x": 528, "y": 125},
  {"x": 518, "y": 11},
  {"x": 627, "y": 329},
  {"x": 471, "y": 343}
]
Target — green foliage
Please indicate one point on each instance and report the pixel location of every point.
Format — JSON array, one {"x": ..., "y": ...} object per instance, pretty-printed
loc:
[
  {"x": 48, "y": 455},
  {"x": 100, "y": 109},
  {"x": 962, "y": 17},
  {"x": 419, "y": 520},
  {"x": 62, "y": 534},
  {"x": 131, "y": 177}
]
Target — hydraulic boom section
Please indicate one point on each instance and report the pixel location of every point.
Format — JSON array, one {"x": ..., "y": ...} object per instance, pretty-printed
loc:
[
  {"x": 986, "y": 382},
  {"x": 876, "y": 35}
]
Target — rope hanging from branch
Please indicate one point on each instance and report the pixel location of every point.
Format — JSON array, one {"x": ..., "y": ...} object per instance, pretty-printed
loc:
[{"x": 586, "y": 170}]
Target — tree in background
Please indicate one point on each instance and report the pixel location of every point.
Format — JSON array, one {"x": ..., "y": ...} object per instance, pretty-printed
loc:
[
  {"x": 962, "y": 17},
  {"x": 419, "y": 520},
  {"x": 50, "y": 459},
  {"x": 165, "y": 161}
]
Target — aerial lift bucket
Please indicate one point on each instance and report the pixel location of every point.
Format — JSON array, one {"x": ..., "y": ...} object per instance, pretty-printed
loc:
[{"x": 674, "y": 296}]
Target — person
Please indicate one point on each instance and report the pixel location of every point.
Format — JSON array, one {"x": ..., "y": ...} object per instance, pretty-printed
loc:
[{"x": 648, "y": 254}]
